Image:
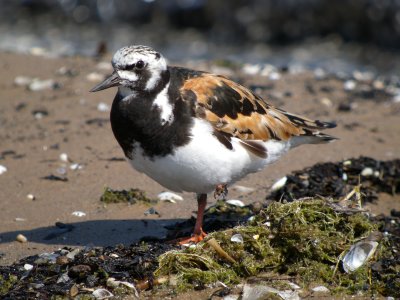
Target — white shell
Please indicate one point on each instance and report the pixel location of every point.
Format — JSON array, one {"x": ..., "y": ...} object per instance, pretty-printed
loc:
[
  {"x": 28, "y": 267},
  {"x": 237, "y": 238},
  {"x": 279, "y": 184},
  {"x": 235, "y": 202},
  {"x": 104, "y": 107},
  {"x": 79, "y": 214},
  {"x": 358, "y": 254},
  {"x": 64, "y": 157},
  {"x": 169, "y": 196},
  {"x": 243, "y": 189},
  {"x": 102, "y": 294},
  {"x": 321, "y": 289},
  {"x": 367, "y": 172},
  {"x": 3, "y": 169}
]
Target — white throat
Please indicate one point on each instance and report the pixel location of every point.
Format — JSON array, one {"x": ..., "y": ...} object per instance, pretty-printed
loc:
[{"x": 166, "y": 108}]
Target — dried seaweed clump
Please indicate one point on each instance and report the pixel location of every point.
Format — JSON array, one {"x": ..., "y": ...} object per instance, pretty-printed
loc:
[
  {"x": 302, "y": 239},
  {"x": 131, "y": 196}
]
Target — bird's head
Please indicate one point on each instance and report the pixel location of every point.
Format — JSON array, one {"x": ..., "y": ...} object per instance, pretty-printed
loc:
[{"x": 138, "y": 68}]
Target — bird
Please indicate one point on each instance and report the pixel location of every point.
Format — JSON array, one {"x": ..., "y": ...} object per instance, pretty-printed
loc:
[{"x": 195, "y": 131}]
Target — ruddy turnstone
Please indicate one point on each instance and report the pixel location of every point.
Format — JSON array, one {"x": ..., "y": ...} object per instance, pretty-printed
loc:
[{"x": 194, "y": 131}]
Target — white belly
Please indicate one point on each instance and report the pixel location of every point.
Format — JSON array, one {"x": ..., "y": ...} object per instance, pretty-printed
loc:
[{"x": 204, "y": 162}]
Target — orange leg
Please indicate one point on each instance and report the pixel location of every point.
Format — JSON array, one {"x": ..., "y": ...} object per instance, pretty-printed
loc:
[{"x": 198, "y": 233}]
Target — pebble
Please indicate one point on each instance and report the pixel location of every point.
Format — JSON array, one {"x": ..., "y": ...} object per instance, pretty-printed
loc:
[
  {"x": 64, "y": 157},
  {"x": 327, "y": 102},
  {"x": 274, "y": 76},
  {"x": 95, "y": 77},
  {"x": 76, "y": 166},
  {"x": 21, "y": 238},
  {"x": 250, "y": 69},
  {"x": 62, "y": 260},
  {"x": 237, "y": 238},
  {"x": 28, "y": 267},
  {"x": 40, "y": 85},
  {"x": 31, "y": 197},
  {"x": 79, "y": 214},
  {"x": 319, "y": 74},
  {"x": 235, "y": 202},
  {"x": 279, "y": 184},
  {"x": 103, "y": 107},
  {"x": 102, "y": 294},
  {"x": 151, "y": 211},
  {"x": 349, "y": 85},
  {"x": 23, "y": 80},
  {"x": 19, "y": 219},
  {"x": 170, "y": 197},
  {"x": 257, "y": 292},
  {"x": 3, "y": 169},
  {"x": 367, "y": 172}
]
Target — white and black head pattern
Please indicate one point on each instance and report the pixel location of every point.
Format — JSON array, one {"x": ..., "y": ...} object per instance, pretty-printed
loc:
[{"x": 139, "y": 67}]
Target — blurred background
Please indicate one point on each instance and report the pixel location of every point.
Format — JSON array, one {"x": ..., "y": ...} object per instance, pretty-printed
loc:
[{"x": 338, "y": 36}]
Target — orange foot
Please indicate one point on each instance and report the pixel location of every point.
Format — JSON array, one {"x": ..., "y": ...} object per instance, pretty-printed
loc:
[{"x": 195, "y": 238}]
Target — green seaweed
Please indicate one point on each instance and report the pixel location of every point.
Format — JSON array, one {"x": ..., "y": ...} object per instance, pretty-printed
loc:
[
  {"x": 7, "y": 283},
  {"x": 125, "y": 196},
  {"x": 304, "y": 240}
]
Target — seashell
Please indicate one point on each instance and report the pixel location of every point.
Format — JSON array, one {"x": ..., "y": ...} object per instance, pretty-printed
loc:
[
  {"x": 235, "y": 202},
  {"x": 320, "y": 289},
  {"x": 358, "y": 254},
  {"x": 237, "y": 238},
  {"x": 170, "y": 197},
  {"x": 367, "y": 172},
  {"x": 102, "y": 294},
  {"x": 3, "y": 169},
  {"x": 79, "y": 214},
  {"x": 279, "y": 184}
]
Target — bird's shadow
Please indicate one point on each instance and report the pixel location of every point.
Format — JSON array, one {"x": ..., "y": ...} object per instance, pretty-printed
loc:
[{"x": 95, "y": 233}]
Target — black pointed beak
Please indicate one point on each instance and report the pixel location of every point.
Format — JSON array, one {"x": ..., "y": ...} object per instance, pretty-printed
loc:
[{"x": 112, "y": 80}]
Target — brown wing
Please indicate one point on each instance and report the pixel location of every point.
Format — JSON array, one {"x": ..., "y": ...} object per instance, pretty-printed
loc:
[{"x": 233, "y": 109}]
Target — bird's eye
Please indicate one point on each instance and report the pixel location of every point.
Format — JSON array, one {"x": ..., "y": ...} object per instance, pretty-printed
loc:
[{"x": 140, "y": 65}]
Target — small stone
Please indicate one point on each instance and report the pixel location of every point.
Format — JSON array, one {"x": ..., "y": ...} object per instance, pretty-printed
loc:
[
  {"x": 19, "y": 219},
  {"x": 79, "y": 271},
  {"x": 257, "y": 292},
  {"x": 274, "y": 76},
  {"x": 250, "y": 69},
  {"x": 76, "y": 166},
  {"x": 327, "y": 102},
  {"x": 64, "y": 157},
  {"x": 349, "y": 85},
  {"x": 319, "y": 74},
  {"x": 28, "y": 267},
  {"x": 62, "y": 260},
  {"x": 103, "y": 107},
  {"x": 3, "y": 169},
  {"x": 40, "y": 85},
  {"x": 95, "y": 77},
  {"x": 30, "y": 197},
  {"x": 21, "y": 238},
  {"x": 23, "y": 80},
  {"x": 367, "y": 172},
  {"x": 151, "y": 211}
]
